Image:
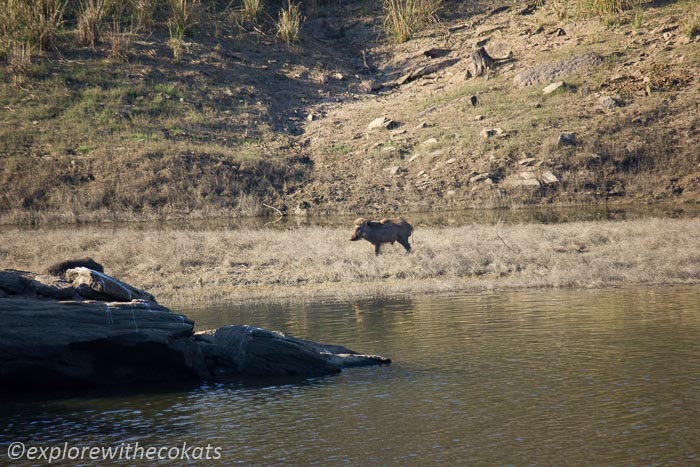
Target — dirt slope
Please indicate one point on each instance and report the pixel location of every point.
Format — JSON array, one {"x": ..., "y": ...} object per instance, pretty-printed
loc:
[{"x": 243, "y": 123}]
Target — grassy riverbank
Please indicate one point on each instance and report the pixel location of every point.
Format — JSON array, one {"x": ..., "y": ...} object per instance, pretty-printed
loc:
[{"x": 318, "y": 263}]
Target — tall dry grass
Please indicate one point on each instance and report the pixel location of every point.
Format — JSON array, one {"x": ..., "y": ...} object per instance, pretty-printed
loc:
[
  {"x": 252, "y": 9},
  {"x": 19, "y": 61},
  {"x": 35, "y": 22},
  {"x": 403, "y": 18},
  {"x": 91, "y": 17},
  {"x": 184, "y": 14},
  {"x": 289, "y": 23},
  {"x": 310, "y": 263}
]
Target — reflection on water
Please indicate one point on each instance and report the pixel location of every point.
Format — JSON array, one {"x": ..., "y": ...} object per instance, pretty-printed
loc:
[
  {"x": 534, "y": 215},
  {"x": 548, "y": 377}
]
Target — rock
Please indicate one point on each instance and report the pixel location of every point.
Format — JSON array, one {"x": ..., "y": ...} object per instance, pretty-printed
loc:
[
  {"x": 429, "y": 142},
  {"x": 567, "y": 139},
  {"x": 382, "y": 122},
  {"x": 553, "y": 87},
  {"x": 390, "y": 149},
  {"x": 548, "y": 179},
  {"x": 53, "y": 287},
  {"x": 392, "y": 170},
  {"x": 548, "y": 72},
  {"x": 247, "y": 350},
  {"x": 100, "y": 286},
  {"x": 478, "y": 118},
  {"x": 451, "y": 160},
  {"x": 490, "y": 132},
  {"x": 372, "y": 85},
  {"x": 59, "y": 269},
  {"x": 47, "y": 343},
  {"x": 479, "y": 177},
  {"x": 412, "y": 158},
  {"x": 528, "y": 161},
  {"x": 523, "y": 181},
  {"x": 302, "y": 208},
  {"x": 436, "y": 52},
  {"x": 14, "y": 282},
  {"x": 608, "y": 102}
]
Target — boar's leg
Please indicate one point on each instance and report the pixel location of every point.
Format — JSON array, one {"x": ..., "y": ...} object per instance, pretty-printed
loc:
[
  {"x": 376, "y": 248},
  {"x": 405, "y": 244}
]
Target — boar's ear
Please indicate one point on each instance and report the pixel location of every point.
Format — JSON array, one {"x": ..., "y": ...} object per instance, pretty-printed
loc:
[{"x": 360, "y": 221}]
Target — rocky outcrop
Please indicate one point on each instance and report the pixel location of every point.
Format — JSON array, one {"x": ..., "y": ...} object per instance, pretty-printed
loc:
[
  {"x": 248, "y": 350},
  {"x": 48, "y": 343},
  {"x": 53, "y": 332},
  {"x": 548, "y": 72}
]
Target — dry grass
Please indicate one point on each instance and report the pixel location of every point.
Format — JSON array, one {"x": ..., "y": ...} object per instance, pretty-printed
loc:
[
  {"x": 121, "y": 43},
  {"x": 19, "y": 61},
  {"x": 405, "y": 17},
  {"x": 252, "y": 9},
  {"x": 313, "y": 263},
  {"x": 289, "y": 23},
  {"x": 90, "y": 19},
  {"x": 184, "y": 16},
  {"x": 36, "y": 21}
]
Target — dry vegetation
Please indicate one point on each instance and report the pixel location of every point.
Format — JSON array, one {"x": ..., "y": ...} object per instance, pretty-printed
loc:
[
  {"x": 128, "y": 110},
  {"x": 315, "y": 263}
]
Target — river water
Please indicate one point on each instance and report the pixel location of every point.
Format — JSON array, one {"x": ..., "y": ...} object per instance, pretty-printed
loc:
[{"x": 539, "y": 377}]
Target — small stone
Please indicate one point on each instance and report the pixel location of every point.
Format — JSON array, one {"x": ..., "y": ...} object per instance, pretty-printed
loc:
[
  {"x": 422, "y": 125},
  {"x": 451, "y": 160},
  {"x": 608, "y": 102},
  {"x": 490, "y": 132},
  {"x": 311, "y": 117},
  {"x": 390, "y": 149},
  {"x": 338, "y": 76},
  {"x": 547, "y": 178},
  {"x": 422, "y": 172},
  {"x": 553, "y": 87},
  {"x": 414, "y": 157},
  {"x": 429, "y": 142},
  {"x": 382, "y": 122},
  {"x": 567, "y": 139},
  {"x": 527, "y": 161},
  {"x": 451, "y": 193},
  {"x": 479, "y": 177},
  {"x": 478, "y": 118},
  {"x": 392, "y": 170}
]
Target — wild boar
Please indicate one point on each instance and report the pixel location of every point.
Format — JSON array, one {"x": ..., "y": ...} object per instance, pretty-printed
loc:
[{"x": 383, "y": 231}]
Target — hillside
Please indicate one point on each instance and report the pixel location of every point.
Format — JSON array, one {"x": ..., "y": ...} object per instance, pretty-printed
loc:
[{"x": 230, "y": 120}]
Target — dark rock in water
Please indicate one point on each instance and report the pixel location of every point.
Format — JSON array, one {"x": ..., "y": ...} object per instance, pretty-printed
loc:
[
  {"x": 248, "y": 350},
  {"x": 46, "y": 343}
]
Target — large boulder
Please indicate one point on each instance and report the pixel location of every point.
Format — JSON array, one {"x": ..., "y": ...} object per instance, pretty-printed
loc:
[
  {"x": 66, "y": 343},
  {"x": 51, "y": 336}
]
